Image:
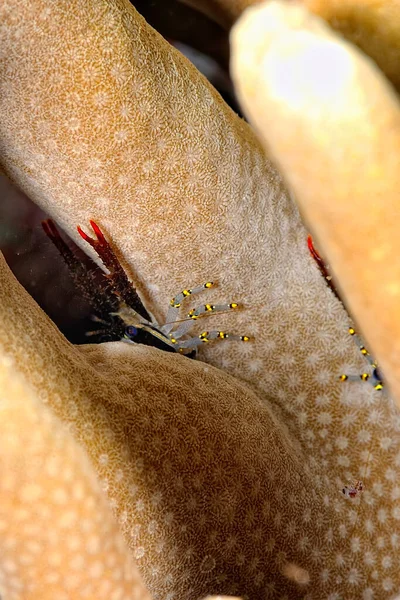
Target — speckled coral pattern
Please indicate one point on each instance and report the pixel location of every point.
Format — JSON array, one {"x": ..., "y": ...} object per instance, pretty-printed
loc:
[
  {"x": 109, "y": 122},
  {"x": 57, "y": 534},
  {"x": 207, "y": 487},
  {"x": 286, "y": 43}
]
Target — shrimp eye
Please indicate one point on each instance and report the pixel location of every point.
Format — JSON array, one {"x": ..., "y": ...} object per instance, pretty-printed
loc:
[
  {"x": 130, "y": 331},
  {"x": 377, "y": 374}
]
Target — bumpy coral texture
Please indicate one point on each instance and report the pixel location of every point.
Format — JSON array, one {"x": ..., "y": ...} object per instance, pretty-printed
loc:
[
  {"x": 57, "y": 534},
  {"x": 216, "y": 489},
  {"x": 208, "y": 489},
  {"x": 287, "y": 45}
]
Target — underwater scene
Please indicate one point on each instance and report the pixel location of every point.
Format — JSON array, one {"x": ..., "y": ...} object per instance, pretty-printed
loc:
[{"x": 199, "y": 355}]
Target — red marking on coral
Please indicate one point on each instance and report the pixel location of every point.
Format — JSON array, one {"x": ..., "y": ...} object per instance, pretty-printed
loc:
[
  {"x": 50, "y": 229},
  {"x": 46, "y": 228},
  {"x": 312, "y": 249},
  {"x": 84, "y": 235},
  {"x": 98, "y": 232},
  {"x": 100, "y": 240},
  {"x": 320, "y": 262}
]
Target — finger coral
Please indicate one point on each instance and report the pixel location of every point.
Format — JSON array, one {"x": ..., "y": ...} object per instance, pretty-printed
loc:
[
  {"x": 200, "y": 474},
  {"x": 294, "y": 65},
  {"x": 52, "y": 510},
  {"x": 219, "y": 484},
  {"x": 372, "y": 25}
]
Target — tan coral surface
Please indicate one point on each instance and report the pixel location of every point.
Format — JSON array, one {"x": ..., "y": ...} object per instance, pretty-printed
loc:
[
  {"x": 208, "y": 490},
  {"x": 297, "y": 64},
  {"x": 58, "y": 536},
  {"x": 374, "y": 25},
  {"x": 109, "y": 122}
]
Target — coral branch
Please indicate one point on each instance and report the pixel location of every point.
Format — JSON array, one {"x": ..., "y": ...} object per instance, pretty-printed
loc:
[
  {"x": 332, "y": 122},
  {"x": 373, "y": 25},
  {"x": 53, "y": 512},
  {"x": 217, "y": 488},
  {"x": 166, "y": 438}
]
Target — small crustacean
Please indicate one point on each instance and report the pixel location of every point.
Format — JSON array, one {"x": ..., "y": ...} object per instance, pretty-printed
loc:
[
  {"x": 129, "y": 320},
  {"x": 374, "y": 377},
  {"x": 354, "y": 490}
]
